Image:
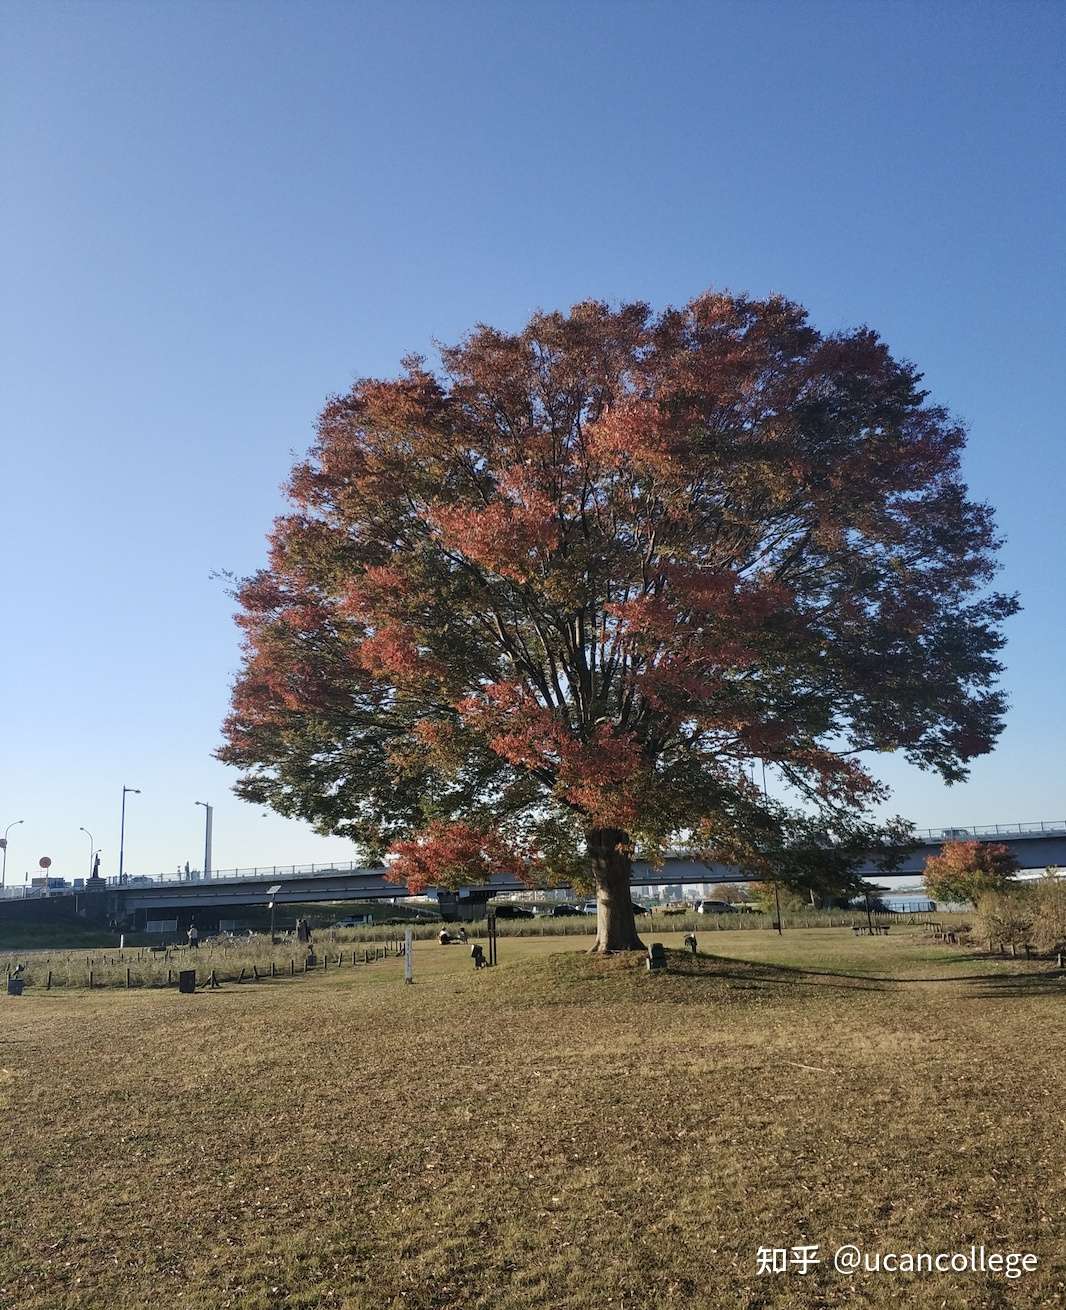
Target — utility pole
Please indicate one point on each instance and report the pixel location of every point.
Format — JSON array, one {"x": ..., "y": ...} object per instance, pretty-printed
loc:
[
  {"x": 3, "y": 847},
  {"x": 208, "y": 813},
  {"x": 92, "y": 848},
  {"x": 136, "y": 791}
]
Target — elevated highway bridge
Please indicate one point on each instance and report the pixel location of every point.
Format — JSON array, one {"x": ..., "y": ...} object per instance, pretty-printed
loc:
[{"x": 1035, "y": 846}]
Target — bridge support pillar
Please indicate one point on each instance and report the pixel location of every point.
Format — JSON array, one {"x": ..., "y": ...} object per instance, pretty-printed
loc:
[{"x": 464, "y": 909}]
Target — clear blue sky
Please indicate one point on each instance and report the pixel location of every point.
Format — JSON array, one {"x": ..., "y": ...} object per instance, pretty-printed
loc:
[{"x": 216, "y": 214}]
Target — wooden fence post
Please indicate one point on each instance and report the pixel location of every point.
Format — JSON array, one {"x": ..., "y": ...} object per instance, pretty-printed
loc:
[
  {"x": 48, "y": 983},
  {"x": 127, "y": 978}
]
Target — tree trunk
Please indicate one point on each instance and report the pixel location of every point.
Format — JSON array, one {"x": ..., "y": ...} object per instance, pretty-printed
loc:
[{"x": 616, "y": 926}]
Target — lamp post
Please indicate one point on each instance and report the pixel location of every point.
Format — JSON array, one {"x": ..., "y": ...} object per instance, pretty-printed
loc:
[
  {"x": 3, "y": 847},
  {"x": 208, "y": 812},
  {"x": 122, "y": 833},
  {"x": 92, "y": 848},
  {"x": 272, "y": 893}
]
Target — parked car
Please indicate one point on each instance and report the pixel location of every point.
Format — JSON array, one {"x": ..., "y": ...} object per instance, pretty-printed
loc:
[
  {"x": 714, "y": 907},
  {"x": 512, "y": 912}
]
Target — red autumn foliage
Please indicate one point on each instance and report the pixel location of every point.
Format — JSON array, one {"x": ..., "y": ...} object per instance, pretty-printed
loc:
[
  {"x": 579, "y": 579},
  {"x": 454, "y": 853},
  {"x": 967, "y": 870}
]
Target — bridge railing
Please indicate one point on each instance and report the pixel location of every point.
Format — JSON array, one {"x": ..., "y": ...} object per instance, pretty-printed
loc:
[
  {"x": 988, "y": 831},
  {"x": 959, "y": 832},
  {"x": 280, "y": 871}
]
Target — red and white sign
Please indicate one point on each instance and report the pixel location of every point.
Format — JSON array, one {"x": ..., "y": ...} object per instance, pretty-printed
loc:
[{"x": 45, "y": 861}]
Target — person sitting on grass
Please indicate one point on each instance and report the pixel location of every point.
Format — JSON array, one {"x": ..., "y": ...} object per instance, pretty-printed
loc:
[
  {"x": 477, "y": 954},
  {"x": 443, "y": 937}
]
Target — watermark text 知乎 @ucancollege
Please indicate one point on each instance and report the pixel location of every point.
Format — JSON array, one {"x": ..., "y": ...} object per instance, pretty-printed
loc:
[{"x": 852, "y": 1259}]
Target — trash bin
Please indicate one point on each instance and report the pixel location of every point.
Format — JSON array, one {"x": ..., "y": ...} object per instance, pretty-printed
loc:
[
  {"x": 15, "y": 986},
  {"x": 187, "y": 981}
]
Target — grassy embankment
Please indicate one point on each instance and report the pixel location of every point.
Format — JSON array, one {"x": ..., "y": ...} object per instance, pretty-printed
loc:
[{"x": 561, "y": 1132}]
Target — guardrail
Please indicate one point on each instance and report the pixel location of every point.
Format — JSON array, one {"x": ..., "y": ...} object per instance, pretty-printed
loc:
[{"x": 983, "y": 832}]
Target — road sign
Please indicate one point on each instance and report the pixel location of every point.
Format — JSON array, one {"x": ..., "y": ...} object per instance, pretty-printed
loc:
[{"x": 45, "y": 861}]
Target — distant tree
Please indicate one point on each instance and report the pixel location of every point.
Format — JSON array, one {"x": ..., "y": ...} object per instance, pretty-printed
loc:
[
  {"x": 551, "y": 604},
  {"x": 767, "y": 896},
  {"x": 968, "y": 870},
  {"x": 731, "y": 892}
]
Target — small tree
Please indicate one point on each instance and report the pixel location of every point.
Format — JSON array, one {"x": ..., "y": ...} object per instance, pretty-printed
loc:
[
  {"x": 1006, "y": 917},
  {"x": 767, "y": 896},
  {"x": 967, "y": 870}
]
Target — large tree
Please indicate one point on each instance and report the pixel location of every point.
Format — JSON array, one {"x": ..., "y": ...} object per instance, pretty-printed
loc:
[{"x": 549, "y": 603}]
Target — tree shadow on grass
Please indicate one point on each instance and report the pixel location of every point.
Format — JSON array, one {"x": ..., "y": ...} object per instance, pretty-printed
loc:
[
  {"x": 1026, "y": 983},
  {"x": 997, "y": 986},
  {"x": 756, "y": 973}
]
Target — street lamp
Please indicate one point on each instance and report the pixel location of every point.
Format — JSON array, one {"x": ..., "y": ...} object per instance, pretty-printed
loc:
[
  {"x": 208, "y": 812},
  {"x": 272, "y": 893},
  {"x": 92, "y": 848},
  {"x": 3, "y": 846},
  {"x": 122, "y": 832}
]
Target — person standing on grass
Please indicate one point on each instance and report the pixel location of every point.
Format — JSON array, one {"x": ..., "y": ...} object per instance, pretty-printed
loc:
[{"x": 194, "y": 936}]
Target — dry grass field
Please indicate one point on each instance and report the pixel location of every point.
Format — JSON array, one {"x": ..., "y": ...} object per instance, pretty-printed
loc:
[{"x": 560, "y": 1132}]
